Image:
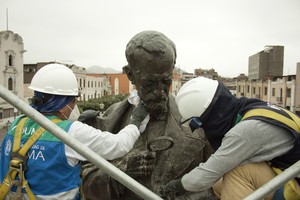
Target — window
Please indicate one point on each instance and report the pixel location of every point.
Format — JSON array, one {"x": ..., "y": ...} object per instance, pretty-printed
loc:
[
  {"x": 273, "y": 92},
  {"x": 288, "y": 92},
  {"x": 10, "y": 60},
  {"x": 10, "y": 55},
  {"x": 266, "y": 91},
  {"x": 10, "y": 84}
]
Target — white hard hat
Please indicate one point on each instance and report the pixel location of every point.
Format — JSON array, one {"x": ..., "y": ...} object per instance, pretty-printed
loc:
[
  {"x": 195, "y": 96},
  {"x": 55, "y": 79}
]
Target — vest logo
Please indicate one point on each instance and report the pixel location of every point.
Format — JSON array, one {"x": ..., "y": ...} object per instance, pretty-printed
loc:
[
  {"x": 36, "y": 152},
  {"x": 27, "y": 131},
  {"x": 8, "y": 147},
  {"x": 35, "y": 155}
]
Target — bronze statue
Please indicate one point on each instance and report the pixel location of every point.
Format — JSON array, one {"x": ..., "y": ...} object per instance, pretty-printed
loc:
[{"x": 166, "y": 150}]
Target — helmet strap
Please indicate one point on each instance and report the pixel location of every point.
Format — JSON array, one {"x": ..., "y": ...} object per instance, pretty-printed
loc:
[{"x": 63, "y": 115}]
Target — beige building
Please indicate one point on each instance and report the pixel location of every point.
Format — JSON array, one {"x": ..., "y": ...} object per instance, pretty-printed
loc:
[
  {"x": 282, "y": 91},
  {"x": 11, "y": 76},
  {"x": 92, "y": 87}
]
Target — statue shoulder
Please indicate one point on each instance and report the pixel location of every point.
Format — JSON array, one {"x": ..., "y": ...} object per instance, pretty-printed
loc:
[
  {"x": 115, "y": 117},
  {"x": 121, "y": 106}
]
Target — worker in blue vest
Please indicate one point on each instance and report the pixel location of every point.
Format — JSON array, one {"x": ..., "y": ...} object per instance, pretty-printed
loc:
[
  {"x": 253, "y": 142},
  {"x": 50, "y": 169}
]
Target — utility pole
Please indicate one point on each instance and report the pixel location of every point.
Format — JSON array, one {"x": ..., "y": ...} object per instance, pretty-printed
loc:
[{"x": 7, "y": 19}]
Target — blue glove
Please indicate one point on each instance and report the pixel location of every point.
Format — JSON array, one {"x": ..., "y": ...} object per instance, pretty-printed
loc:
[{"x": 170, "y": 190}]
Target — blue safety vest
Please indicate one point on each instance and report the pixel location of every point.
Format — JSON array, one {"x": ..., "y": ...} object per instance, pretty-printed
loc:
[{"x": 48, "y": 171}]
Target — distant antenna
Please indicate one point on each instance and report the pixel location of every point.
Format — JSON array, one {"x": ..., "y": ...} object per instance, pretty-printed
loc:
[{"x": 7, "y": 19}]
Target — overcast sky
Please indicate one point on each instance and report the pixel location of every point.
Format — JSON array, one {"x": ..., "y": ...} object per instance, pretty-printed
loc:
[{"x": 218, "y": 34}]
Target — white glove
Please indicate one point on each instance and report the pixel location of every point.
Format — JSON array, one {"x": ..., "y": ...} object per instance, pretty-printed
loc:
[{"x": 134, "y": 99}]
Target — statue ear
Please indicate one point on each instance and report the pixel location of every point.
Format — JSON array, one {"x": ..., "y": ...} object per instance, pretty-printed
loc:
[{"x": 127, "y": 69}]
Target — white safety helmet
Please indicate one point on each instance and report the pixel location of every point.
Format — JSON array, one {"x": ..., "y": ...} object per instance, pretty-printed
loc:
[
  {"x": 195, "y": 96},
  {"x": 55, "y": 79}
]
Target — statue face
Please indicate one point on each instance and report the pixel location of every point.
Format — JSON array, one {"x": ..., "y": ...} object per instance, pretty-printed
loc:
[
  {"x": 151, "y": 59},
  {"x": 153, "y": 80}
]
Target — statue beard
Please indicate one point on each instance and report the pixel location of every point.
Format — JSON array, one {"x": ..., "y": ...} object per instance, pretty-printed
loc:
[{"x": 157, "y": 107}]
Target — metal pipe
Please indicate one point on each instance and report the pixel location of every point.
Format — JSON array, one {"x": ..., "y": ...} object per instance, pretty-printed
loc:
[
  {"x": 276, "y": 182},
  {"x": 91, "y": 156}
]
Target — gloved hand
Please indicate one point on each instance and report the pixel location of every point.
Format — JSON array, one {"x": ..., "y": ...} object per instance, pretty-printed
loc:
[
  {"x": 170, "y": 190},
  {"x": 138, "y": 163},
  {"x": 88, "y": 115},
  {"x": 138, "y": 114}
]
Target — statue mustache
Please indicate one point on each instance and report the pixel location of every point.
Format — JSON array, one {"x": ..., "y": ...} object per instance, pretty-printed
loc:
[{"x": 155, "y": 98}]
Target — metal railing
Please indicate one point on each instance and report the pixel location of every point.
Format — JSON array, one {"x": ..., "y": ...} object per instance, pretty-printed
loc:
[
  {"x": 276, "y": 182},
  {"x": 91, "y": 156}
]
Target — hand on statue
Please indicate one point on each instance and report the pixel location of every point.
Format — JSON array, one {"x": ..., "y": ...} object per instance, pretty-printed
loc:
[
  {"x": 138, "y": 163},
  {"x": 139, "y": 117},
  {"x": 173, "y": 188},
  {"x": 88, "y": 115}
]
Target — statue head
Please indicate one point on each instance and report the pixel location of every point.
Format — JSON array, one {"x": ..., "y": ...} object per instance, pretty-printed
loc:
[{"x": 151, "y": 58}]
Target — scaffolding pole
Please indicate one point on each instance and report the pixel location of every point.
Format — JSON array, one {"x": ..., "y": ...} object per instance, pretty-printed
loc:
[
  {"x": 91, "y": 156},
  {"x": 276, "y": 182}
]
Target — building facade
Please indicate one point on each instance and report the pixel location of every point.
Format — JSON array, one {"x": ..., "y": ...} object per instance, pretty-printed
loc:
[
  {"x": 279, "y": 91},
  {"x": 11, "y": 76},
  {"x": 118, "y": 82},
  {"x": 266, "y": 63},
  {"x": 90, "y": 86},
  {"x": 208, "y": 73}
]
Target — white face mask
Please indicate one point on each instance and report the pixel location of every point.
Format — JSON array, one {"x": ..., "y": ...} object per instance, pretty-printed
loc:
[{"x": 74, "y": 114}]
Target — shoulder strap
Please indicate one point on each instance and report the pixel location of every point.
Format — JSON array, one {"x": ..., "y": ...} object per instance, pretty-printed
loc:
[
  {"x": 293, "y": 122},
  {"x": 37, "y": 134},
  {"x": 293, "y": 116},
  {"x": 18, "y": 161}
]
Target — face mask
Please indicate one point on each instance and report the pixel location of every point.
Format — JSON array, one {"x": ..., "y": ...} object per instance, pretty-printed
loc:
[{"x": 74, "y": 114}]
